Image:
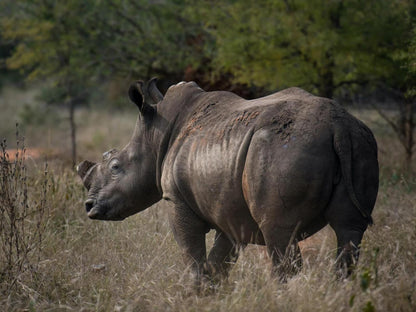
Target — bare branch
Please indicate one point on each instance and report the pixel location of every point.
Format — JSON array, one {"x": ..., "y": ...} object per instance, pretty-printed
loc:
[
  {"x": 360, "y": 82},
  {"x": 390, "y": 121}
]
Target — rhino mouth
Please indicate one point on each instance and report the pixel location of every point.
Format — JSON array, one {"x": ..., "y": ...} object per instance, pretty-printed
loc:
[{"x": 101, "y": 212}]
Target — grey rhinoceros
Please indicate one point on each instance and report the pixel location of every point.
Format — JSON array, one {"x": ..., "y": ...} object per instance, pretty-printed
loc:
[{"x": 270, "y": 171}]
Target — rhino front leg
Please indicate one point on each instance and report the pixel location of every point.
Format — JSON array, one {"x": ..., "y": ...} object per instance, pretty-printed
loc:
[
  {"x": 189, "y": 232},
  {"x": 222, "y": 255}
]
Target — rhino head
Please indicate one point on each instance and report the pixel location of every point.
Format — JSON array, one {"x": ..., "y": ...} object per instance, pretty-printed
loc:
[{"x": 124, "y": 183}]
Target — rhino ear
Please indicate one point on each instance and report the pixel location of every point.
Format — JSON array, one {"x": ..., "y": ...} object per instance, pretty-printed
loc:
[
  {"x": 154, "y": 92},
  {"x": 138, "y": 97},
  {"x": 85, "y": 171}
]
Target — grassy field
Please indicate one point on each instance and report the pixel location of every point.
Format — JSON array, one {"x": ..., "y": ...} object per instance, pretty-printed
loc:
[{"x": 66, "y": 262}]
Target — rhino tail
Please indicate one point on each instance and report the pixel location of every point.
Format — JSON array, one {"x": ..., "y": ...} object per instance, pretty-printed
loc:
[{"x": 343, "y": 149}]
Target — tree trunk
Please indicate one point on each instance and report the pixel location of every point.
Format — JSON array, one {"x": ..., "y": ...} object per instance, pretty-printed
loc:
[
  {"x": 326, "y": 88},
  {"x": 408, "y": 132},
  {"x": 326, "y": 77},
  {"x": 404, "y": 127},
  {"x": 71, "y": 105}
]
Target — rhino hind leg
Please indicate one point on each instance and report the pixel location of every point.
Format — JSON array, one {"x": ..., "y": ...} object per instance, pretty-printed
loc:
[
  {"x": 349, "y": 226},
  {"x": 348, "y": 251},
  {"x": 221, "y": 257},
  {"x": 284, "y": 251}
]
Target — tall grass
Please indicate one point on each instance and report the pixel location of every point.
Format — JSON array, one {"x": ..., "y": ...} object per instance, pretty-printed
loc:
[{"x": 135, "y": 265}]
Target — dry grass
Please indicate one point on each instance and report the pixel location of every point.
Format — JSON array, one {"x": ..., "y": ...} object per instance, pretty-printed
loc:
[{"x": 135, "y": 265}]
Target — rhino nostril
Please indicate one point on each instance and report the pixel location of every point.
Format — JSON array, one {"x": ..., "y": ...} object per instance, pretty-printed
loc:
[{"x": 89, "y": 203}]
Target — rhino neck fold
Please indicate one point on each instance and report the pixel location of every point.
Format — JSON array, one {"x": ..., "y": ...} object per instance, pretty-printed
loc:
[
  {"x": 165, "y": 142},
  {"x": 170, "y": 116}
]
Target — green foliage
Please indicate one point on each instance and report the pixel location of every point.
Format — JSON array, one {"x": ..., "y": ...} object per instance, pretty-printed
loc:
[
  {"x": 319, "y": 45},
  {"x": 351, "y": 301},
  {"x": 365, "y": 280},
  {"x": 369, "y": 275},
  {"x": 369, "y": 307},
  {"x": 407, "y": 64},
  {"x": 74, "y": 40},
  {"x": 316, "y": 44},
  {"x": 48, "y": 43},
  {"x": 141, "y": 38}
]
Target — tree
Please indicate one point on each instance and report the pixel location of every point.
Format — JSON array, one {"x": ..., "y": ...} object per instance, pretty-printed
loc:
[
  {"x": 137, "y": 38},
  {"x": 322, "y": 46},
  {"x": 48, "y": 47},
  {"x": 71, "y": 43},
  {"x": 401, "y": 83},
  {"x": 315, "y": 44}
]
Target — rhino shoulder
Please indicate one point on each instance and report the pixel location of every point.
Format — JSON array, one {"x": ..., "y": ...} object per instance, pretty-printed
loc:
[{"x": 183, "y": 87}]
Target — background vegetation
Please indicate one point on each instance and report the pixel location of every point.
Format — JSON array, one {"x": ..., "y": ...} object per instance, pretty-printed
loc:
[{"x": 65, "y": 69}]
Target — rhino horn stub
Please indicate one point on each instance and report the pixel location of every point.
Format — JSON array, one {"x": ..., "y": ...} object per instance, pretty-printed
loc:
[
  {"x": 84, "y": 170},
  {"x": 83, "y": 167}
]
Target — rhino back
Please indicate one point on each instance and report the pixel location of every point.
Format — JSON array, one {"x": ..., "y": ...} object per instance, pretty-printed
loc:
[{"x": 214, "y": 148}]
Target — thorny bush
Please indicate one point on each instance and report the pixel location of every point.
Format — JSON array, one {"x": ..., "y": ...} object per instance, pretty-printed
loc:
[{"x": 23, "y": 217}]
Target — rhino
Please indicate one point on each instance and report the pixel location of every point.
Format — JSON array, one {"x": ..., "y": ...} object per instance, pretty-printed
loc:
[{"x": 270, "y": 171}]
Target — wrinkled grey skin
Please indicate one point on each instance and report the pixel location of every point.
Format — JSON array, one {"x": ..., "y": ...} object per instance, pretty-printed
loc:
[{"x": 270, "y": 171}]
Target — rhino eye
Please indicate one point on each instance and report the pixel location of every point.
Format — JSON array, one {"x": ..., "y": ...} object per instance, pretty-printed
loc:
[{"x": 114, "y": 165}]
